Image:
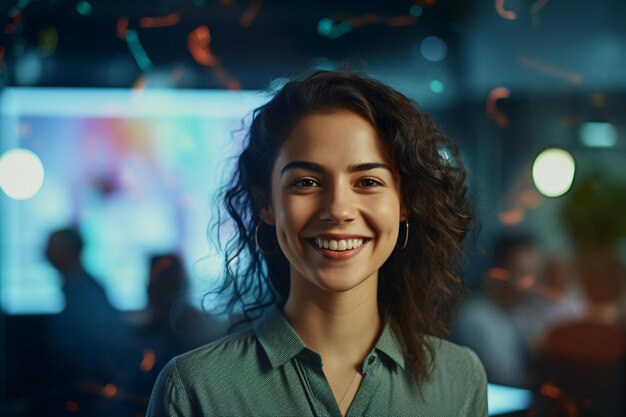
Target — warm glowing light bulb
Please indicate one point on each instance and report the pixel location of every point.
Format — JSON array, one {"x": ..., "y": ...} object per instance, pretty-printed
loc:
[
  {"x": 553, "y": 172},
  {"x": 21, "y": 174}
]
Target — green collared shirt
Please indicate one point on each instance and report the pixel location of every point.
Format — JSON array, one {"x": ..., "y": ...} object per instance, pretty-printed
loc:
[{"x": 268, "y": 371}]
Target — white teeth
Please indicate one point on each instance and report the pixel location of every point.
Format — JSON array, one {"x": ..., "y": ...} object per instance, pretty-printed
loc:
[{"x": 338, "y": 245}]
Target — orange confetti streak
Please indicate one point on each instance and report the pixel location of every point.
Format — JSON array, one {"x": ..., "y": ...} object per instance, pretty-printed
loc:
[
  {"x": 250, "y": 14},
  {"x": 402, "y": 21},
  {"x": 149, "y": 359},
  {"x": 109, "y": 390},
  {"x": 122, "y": 27},
  {"x": 159, "y": 22},
  {"x": 198, "y": 44},
  {"x": 551, "y": 391},
  {"x": 538, "y": 5},
  {"x": 225, "y": 79},
  {"x": 511, "y": 217},
  {"x": 499, "y": 274},
  {"x": 1, "y": 57},
  {"x": 546, "y": 69},
  {"x": 492, "y": 108},
  {"x": 507, "y": 14},
  {"x": 17, "y": 18}
]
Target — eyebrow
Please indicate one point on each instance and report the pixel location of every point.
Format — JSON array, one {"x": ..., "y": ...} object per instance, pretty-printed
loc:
[{"x": 312, "y": 166}]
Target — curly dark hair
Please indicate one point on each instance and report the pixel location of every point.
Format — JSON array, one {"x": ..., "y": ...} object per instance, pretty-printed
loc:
[{"x": 420, "y": 286}]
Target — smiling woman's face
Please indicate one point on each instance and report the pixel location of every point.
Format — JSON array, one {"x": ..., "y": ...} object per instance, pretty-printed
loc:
[{"x": 335, "y": 201}]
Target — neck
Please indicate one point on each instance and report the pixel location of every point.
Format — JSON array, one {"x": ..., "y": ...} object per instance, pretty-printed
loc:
[{"x": 341, "y": 326}]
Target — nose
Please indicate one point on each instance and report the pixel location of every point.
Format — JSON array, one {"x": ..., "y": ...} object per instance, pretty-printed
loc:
[{"x": 338, "y": 205}]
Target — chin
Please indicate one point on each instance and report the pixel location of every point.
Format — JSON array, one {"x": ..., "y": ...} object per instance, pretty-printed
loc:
[{"x": 337, "y": 283}]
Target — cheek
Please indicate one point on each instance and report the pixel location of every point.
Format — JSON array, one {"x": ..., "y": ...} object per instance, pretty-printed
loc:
[
  {"x": 386, "y": 213},
  {"x": 292, "y": 215}
]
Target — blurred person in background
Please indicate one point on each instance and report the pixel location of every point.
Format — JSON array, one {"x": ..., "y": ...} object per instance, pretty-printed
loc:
[
  {"x": 170, "y": 313},
  {"x": 555, "y": 299},
  {"x": 581, "y": 367},
  {"x": 89, "y": 342},
  {"x": 489, "y": 322},
  {"x": 170, "y": 325}
]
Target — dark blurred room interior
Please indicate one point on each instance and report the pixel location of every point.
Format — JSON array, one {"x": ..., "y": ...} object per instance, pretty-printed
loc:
[{"x": 129, "y": 107}]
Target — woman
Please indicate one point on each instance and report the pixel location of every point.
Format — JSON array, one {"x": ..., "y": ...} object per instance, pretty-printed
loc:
[{"x": 350, "y": 217}]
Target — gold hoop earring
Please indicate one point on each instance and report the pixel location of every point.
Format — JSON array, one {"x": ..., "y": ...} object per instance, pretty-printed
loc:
[
  {"x": 256, "y": 240},
  {"x": 406, "y": 236}
]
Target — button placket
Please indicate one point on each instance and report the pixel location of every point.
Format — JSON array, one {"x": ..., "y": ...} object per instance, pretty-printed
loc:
[
  {"x": 369, "y": 362},
  {"x": 316, "y": 408},
  {"x": 369, "y": 387}
]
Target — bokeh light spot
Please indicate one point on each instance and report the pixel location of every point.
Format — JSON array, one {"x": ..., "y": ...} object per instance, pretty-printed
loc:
[
  {"x": 416, "y": 10},
  {"x": 21, "y": 174},
  {"x": 512, "y": 217},
  {"x": 109, "y": 391},
  {"x": 553, "y": 172},
  {"x": 436, "y": 86},
  {"x": 48, "y": 38},
  {"x": 324, "y": 27},
  {"x": 598, "y": 134},
  {"x": 327, "y": 27},
  {"x": 434, "y": 49},
  {"x": 84, "y": 8}
]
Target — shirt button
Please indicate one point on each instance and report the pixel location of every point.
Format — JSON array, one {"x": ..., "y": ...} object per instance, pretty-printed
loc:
[{"x": 371, "y": 360}]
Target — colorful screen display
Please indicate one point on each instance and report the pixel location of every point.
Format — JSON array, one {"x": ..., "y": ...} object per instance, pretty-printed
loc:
[{"x": 135, "y": 170}]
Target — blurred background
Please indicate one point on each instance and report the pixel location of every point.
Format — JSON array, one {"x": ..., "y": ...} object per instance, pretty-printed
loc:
[{"x": 119, "y": 121}]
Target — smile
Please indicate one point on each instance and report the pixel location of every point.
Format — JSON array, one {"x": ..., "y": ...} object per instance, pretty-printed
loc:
[
  {"x": 338, "y": 245},
  {"x": 338, "y": 249}
]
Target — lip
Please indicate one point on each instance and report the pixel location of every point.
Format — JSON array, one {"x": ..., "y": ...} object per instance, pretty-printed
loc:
[
  {"x": 333, "y": 236},
  {"x": 337, "y": 255}
]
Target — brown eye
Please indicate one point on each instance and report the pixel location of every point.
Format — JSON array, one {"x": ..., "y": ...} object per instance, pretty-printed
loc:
[
  {"x": 369, "y": 182},
  {"x": 305, "y": 183}
]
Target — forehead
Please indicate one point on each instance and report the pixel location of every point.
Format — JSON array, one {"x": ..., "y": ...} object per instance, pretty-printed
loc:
[{"x": 336, "y": 137}]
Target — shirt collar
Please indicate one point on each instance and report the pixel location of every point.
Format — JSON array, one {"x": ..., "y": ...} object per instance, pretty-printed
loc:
[
  {"x": 388, "y": 344},
  {"x": 281, "y": 342}
]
